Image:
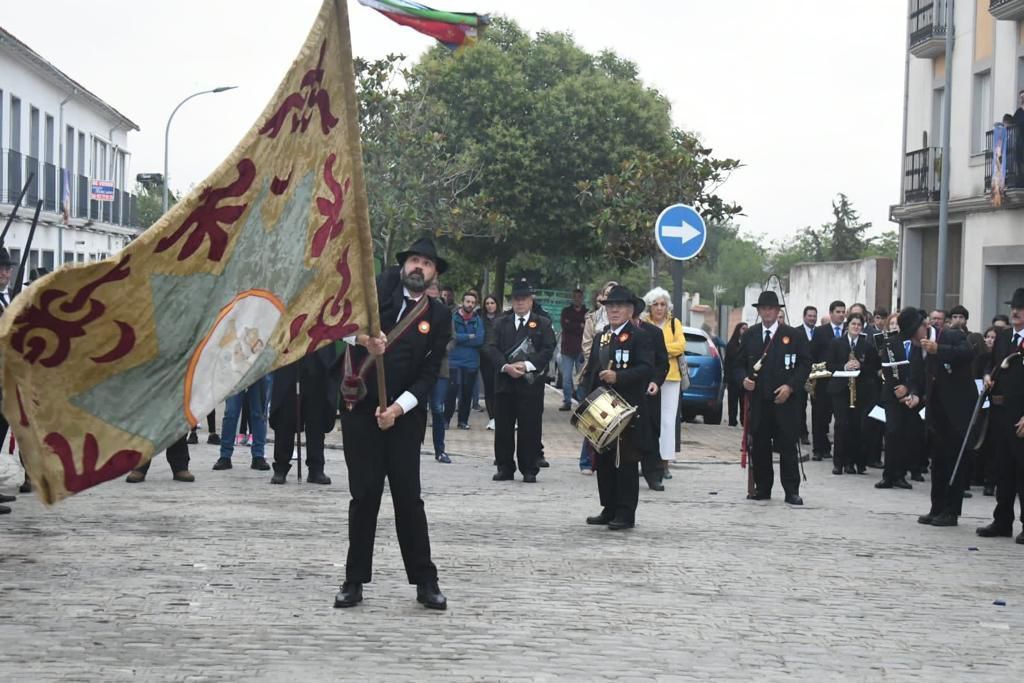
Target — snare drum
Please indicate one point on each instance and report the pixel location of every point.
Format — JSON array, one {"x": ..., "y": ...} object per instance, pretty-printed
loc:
[{"x": 602, "y": 417}]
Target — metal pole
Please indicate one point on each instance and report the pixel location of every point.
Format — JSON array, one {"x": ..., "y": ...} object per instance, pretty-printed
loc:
[
  {"x": 677, "y": 306},
  {"x": 167, "y": 130},
  {"x": 947, "y": 107},
  {"x": 902, "y": 167}
]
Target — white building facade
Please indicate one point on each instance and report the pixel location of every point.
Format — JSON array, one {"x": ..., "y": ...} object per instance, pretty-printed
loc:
[
  {"x": 49, "y": 123},
  {"x": 985, "y": 260}
]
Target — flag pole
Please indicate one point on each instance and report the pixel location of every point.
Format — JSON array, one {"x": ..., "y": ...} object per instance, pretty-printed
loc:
[{"x": 360, "y": 209}]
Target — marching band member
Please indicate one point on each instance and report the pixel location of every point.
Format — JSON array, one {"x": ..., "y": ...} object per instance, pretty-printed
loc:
[{"x": 852, "y": 398}]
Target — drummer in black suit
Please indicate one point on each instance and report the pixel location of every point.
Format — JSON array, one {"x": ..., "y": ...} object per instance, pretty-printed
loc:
[
  {"x": 622, "y": 358},
  {"x": 519, "y": 345},
  {"x": 774, "y": 412}
]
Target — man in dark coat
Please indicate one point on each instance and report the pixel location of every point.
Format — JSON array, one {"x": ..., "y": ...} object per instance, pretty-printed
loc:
[
  {"x": 785, "y": 363},
  {"x": 385, "y": 442},
  {"x": 950, "y": 395},
  {"x": 904, "y": 428},
  {"x": 852, "y": 351},
  {"x": 1007, "y": 420},
  {"x": 520, "y": 346},
  {"x": 622, "y": 359},
  {"x": 821, "y": 410},
  {"x": 318, "y": 377}
]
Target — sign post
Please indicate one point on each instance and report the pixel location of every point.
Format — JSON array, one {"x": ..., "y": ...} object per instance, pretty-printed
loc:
[{"x": 681, "y": 234}]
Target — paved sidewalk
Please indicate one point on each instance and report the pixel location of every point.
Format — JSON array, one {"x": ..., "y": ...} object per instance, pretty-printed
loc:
[{"x": 233, "y": 579}]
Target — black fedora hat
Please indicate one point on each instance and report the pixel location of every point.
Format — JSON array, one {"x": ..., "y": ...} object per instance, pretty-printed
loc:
[
  {"x": 424, "y": 246},
  {"x": 620, "y": 294},
  {"x": 768, "y": 298},
  {"x": 909, "y": 321},
  {"x": 1017, "y": 300},
  {"x": 5, "y": 258},
  {"x": 521, "y": 287}
]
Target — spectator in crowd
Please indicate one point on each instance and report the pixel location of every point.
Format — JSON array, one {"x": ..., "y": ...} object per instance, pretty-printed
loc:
[
  {"x": 734, "y": 387},
  {"x": 937, "y": 318},
  {"x": 1001, "y": 321},
  {"x": 464, "y": 359},
  {"x": 256, "y": 397},
  {"x": 659, "y": 313},
  {"x": 448, "y": 296},
  {"x": 491, "y": 310},
  {"x": 574, "y": 317},
  {"x": 438, "y": 396}
]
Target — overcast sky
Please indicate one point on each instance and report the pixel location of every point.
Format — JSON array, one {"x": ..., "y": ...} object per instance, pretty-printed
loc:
[{"x": 808, "y": 94}]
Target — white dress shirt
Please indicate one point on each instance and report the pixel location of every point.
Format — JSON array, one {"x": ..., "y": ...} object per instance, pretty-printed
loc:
[{"x": 530, "y": 367}]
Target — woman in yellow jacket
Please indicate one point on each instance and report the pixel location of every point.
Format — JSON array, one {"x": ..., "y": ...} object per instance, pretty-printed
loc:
[{"x": 659, "y": 312}]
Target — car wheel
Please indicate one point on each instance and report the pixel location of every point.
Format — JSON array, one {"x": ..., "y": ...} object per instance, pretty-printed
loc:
[{"x": 713, "y": 417}]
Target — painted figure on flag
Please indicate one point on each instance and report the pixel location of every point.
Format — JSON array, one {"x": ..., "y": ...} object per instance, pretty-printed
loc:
[{"x": 266, "y": 261}]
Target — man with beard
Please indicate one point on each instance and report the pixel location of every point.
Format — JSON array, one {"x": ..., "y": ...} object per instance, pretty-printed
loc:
[{"x": 384, "y": 443}]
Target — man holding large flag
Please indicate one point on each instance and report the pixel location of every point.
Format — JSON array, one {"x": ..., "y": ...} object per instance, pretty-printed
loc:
[{"x": 267, "y": 261}]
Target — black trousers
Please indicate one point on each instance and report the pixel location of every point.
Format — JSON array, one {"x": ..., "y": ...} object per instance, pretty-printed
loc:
[
  {"x": 734, "y": 397},
  {"x": 821, "y": 415},
  {"x": 904, "y": 441},
  {"x": 525, "y": 407},
  {"x": 371, "y": 456},
  {"x": 460, "y": 391},
  {"x": 312, "y": 446},
  {"x": 619, "y": 487},
  {"x": 774, "y": 425},
  {"x": 487, "y": 375},
  {"x": 849, "y": 447},
  {"x": 1010, "y": 463},
  {"x": 944, "y": 441},
  {"x": 177, "y": 457}
]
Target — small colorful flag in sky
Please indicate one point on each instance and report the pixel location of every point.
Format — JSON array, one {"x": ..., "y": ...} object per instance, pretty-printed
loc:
[{"x": 454, "y": 29}]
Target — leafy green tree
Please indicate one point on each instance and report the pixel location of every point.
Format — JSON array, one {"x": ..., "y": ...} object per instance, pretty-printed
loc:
[{"x": 150, "y": 202}]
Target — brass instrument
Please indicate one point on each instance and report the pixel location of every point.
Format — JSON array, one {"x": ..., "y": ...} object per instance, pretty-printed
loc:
[
  {"x": 852, "y": 384},
  {"x": 818, "y": 371}
]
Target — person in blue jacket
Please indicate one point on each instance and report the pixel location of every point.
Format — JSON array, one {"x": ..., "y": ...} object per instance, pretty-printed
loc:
[{"x": 464, "y": 359}]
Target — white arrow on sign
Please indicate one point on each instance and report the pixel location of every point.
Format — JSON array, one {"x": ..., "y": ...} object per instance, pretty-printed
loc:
[{"x": 684, "y": 232}]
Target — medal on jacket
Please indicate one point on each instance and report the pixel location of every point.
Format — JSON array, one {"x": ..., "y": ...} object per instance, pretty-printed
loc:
[
  {"x": 618, "y": 357},
  {"x": 625, "y": 358}
]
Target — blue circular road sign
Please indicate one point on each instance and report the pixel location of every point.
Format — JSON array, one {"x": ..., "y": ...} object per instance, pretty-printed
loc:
[{"x": 680, "y": 232}]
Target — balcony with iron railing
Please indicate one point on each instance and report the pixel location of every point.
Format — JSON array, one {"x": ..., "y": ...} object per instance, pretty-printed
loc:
[
  {"x": 48, "y": 178},
  {"x": 1013, "y": 159},
  {"x": 927, "y": 27},
  {"x": 1007, "y": 10},
  {"x": 922, "y": 172}
]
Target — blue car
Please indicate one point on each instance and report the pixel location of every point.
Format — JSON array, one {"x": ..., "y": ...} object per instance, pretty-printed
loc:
[{"x": 707, "y": 385}]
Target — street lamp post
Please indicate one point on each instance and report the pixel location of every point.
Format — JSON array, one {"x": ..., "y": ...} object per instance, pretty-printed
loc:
[{"x": 167, "y": 131}]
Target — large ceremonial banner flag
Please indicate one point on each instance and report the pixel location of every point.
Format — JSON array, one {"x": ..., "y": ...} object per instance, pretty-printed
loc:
[{"x": 267, "y": 260}]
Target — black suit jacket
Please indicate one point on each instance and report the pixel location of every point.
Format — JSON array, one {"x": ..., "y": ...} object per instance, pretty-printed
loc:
[
  {"x": 950, "y": 391},
  {"x": 319, "y": 377},
  {"x": 788, "y": 362},
  {"x": 503, "y": 338},
  {"x": 631, "y": 376},
  {"x": 1009, "y": 382},
  {"x": 821, "y": 342},
  {"x": 412, "y": 362},
  {"x": 867, "y": 354}
]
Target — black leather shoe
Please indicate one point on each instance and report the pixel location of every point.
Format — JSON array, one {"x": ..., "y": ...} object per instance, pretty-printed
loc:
[
  {"x": 542, "y": 462},
  {"x": 430, "y": 596},
  {"x": 817, "y": 457},
  {"x": 318, "y": 478},
  {"x": 917, "y": 476},
  {"x": 26, "y": 487},
  {"x": 837, "y": 470},
  {"x": 618, "y": 524},
  {"x": 993, "y": 530},
  {"x": 213, "y": 439},
  {"x": 4, "y": 510},
  {"x": 884, "y": 484},
  {"x": 600, "y": 519},
  {"x": 861, "y": 469},
  {"x": 759, "y": 496},
  {"x": 927, "y": 519},
  {"x": 654, "y": 484},
  {"x": 794, "y": 499},
  {"x": 968, "y": 494},
  {"x": 350, "y": 595},
  {"x": 876, "y": 465},
  {"x": 850, "y": 469},
  {"x": 222, "y": 464},
  {"x": 529, "y": 478},
  {"x": 259, "y": 464},
  {"x": 565, "y": 407},
  {"x": 503, "y": 476},
  {"x": 902, "y": 483},
  {"x": 805, "y": 441},
  {"x": 989, "y": 491},
  {"x": 1020, "y": 538},
  {"x": 944, "y": 519},
  {"x": 7, "y": 499},
  {"x": 279, "y": 478},
  {"x": 193, "y": 438}
]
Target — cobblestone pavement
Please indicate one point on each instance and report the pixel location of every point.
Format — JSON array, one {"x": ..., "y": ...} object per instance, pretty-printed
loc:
[{"x": 233, "y": 579}]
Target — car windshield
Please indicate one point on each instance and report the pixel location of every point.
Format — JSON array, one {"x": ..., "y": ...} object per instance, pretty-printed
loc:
[{"x": 697, "y": 345}]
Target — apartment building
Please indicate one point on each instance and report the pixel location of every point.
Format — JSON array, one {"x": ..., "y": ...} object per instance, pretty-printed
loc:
[
  {"x": 53, "y": 129},
  {"x": 986, "y": 238}
]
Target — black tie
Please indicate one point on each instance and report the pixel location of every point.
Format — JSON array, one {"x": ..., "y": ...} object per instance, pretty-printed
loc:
[
  {"x": 1016, "y": 336},
  {"x": 767, "y": 337},
  {"x": 522, "y": 321},
  {"x": 408, "y": 306},
  {"x": 853, "y": 345},
  {"x": 3, "y": 299}
]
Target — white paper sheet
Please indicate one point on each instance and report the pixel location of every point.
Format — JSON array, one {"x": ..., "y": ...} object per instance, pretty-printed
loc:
[
  {"x": 877, "y": 413},
  {"x": 846, "y": 374}
]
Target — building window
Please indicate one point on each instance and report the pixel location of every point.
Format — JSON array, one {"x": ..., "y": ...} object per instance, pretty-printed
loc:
[
  {"x": 69, "y": 149},
  {"x": 69, "y": 257},
  {"x": 81, "y": 153},
  {"x": 48, "y": 257},
  {"x": 33, "y": 132},
  {"x": 48, "y": 140},
  {"x": 15, "y": 255},
  {"x": 981, "y": 118},
  {"x": 33, "y": 259},
  {"x": 80, "y": 258},
  {"x": 938, "y": 96},
  {"x": 14, "y": 139}
]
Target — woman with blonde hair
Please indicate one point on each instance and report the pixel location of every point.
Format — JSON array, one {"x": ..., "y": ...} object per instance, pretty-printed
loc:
[{"x": 659, "y": 312}]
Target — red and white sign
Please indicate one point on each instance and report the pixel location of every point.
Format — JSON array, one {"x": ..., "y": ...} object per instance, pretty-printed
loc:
[{"x": 102, "y": 190}]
